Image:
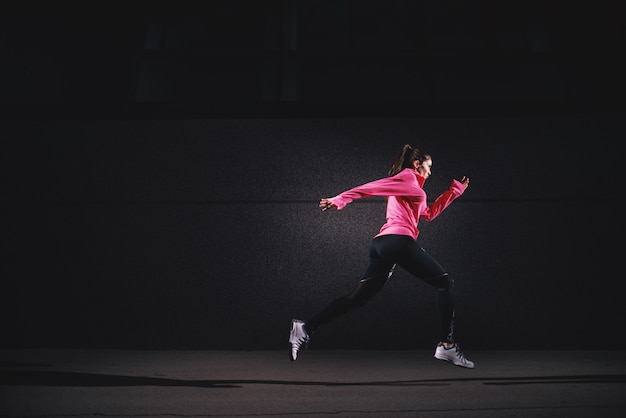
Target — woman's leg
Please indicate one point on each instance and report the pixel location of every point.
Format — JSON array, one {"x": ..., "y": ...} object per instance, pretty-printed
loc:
[
  {"x": 419, "y": 263},
  {"x": 411, "y": 257},
  {"x": 376, "y": 275}
]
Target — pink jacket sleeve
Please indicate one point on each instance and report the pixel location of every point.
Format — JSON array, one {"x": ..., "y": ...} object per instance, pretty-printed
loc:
[
  {"x": 388, "y": 186},
  {"x": 455, "y": 190}
]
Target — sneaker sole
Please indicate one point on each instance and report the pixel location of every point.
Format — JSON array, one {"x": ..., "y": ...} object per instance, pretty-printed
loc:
[
  {"x": 301, "y": 347},
  {"x": 290, "y": 347},
  {"x": 450, "y": 361}
]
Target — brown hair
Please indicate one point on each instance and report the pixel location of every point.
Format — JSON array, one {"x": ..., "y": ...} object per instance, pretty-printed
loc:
[{"x": 405, "y": 159}]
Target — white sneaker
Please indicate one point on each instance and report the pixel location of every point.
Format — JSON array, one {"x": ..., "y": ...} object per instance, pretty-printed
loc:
[
  {"x": 452, "y": 354},
  {"x": 297, "y": 338}
]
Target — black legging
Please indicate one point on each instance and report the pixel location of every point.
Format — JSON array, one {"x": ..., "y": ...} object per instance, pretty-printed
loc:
[{"x": 387, "y": 251}]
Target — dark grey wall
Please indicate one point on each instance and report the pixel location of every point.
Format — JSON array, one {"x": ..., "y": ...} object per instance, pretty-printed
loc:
[{"x": 206, "y": 233}]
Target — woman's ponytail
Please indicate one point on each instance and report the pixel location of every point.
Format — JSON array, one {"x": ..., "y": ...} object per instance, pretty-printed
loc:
[{"x": 405, "y": 159}]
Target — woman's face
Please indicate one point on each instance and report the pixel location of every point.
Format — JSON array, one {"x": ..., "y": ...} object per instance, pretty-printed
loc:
[{"x": 423, "y": 168}]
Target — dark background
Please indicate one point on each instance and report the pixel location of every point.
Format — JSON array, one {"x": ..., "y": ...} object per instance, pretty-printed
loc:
[{"x": 162, "y": 164}]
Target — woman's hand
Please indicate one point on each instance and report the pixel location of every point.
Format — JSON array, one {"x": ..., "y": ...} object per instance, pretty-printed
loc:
[
  {"x": 326, "y": 204},
  {"x": 464, "y": 181}
]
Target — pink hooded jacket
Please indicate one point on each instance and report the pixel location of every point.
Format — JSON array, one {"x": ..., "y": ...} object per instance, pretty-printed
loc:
[{"x": 406, "y": 202}]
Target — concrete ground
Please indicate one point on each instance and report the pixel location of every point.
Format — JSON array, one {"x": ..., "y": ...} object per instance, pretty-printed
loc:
[{"x": 321, "y": 383}]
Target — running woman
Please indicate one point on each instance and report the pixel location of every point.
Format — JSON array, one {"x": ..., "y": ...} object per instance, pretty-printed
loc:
[{"x": 395, "y": 244}]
